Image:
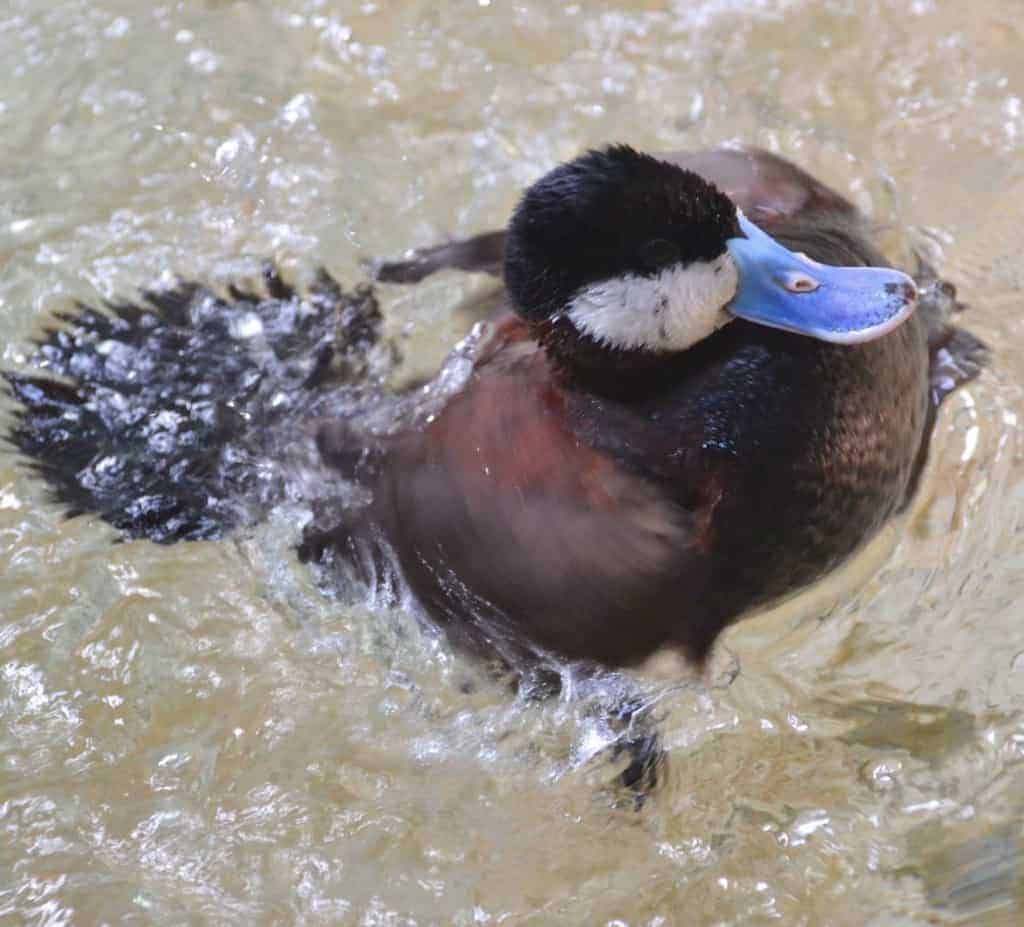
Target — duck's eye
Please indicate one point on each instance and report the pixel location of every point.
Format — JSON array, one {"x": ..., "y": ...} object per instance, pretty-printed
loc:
[
  {"x": 657, "y": 253},
  {"x": 796, "y": 282}
]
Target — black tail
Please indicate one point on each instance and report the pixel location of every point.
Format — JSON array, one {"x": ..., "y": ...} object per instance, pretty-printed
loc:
[{"x": 168, "y": 413}]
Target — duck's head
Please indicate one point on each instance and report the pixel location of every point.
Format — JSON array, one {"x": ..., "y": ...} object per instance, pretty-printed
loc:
[{"x": 620, "y": 257}]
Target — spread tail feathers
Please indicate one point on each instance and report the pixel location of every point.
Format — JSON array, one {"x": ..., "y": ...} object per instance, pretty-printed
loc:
[{"x": 158, "y": 415}]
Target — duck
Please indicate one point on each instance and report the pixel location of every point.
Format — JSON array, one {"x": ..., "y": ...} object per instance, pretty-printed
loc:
[{"x": 706, "y": 389}]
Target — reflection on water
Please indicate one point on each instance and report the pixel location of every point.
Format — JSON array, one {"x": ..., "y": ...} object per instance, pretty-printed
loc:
[{"x": 196, "y": 734}]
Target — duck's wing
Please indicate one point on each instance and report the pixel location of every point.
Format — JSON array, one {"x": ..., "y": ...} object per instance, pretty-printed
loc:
[
  {"x": 766, "y": 187},
  {"x": 484, "y": 253}
]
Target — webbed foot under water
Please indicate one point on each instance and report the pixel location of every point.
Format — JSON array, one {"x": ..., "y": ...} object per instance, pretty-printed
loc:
[{"x": 709, "y": 390}]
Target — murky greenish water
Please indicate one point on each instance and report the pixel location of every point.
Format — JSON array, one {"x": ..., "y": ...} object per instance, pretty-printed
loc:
[{"x": 195, "y": 735}]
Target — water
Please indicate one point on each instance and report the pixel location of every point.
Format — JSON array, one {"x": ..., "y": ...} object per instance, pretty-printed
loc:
[{"x": 196, "y": 734}]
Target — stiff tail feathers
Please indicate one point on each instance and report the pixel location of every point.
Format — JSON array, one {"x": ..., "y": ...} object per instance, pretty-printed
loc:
[{"x": 163, "y": 415}]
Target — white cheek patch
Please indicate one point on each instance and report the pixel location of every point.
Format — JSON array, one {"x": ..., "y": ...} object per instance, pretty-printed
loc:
[{"x": 668, "y": 312}]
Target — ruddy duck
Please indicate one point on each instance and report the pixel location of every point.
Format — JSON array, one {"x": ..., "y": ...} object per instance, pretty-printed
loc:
[{"x": 709, "y": 391}]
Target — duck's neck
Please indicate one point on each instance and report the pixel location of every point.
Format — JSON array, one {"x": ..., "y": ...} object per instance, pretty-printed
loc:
[{"x": 604, "y": 370}]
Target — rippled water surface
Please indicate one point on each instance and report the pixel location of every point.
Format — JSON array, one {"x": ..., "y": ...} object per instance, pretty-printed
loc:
[{"x": 195, "y": 734}]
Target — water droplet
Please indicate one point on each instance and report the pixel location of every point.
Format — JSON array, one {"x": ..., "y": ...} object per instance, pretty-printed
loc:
[
  {"x": 203, "y": 60},
  {"x": 118, "y": 28}
]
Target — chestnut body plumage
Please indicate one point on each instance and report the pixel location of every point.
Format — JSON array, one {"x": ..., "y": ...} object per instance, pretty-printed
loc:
[
  {"x": 596, "y": 506},
  {"x": 600, "y": 528}
]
